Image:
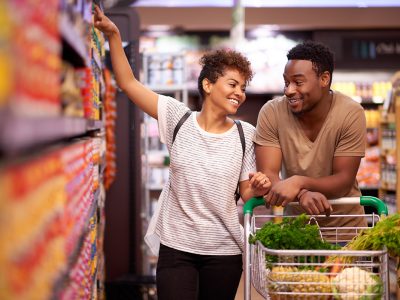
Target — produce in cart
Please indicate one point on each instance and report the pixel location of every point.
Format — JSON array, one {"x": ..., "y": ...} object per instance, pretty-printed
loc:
[
  {"x": 295, "y": 281},
  {"x": 352, "y": 282},
  {"x": 299, "y": 276},
  {"x": 308, "y": 276},
  {"x": 385, "y": 234},
  {"x": 292, "y": 233},
  {"x": 294, "y": 260}
]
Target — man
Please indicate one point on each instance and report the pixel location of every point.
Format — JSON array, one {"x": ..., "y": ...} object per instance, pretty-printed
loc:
[{"x": 314, "y": 136}]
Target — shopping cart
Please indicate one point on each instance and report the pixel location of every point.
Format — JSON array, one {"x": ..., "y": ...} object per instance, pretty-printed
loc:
[{"x": 308, "y": 274}]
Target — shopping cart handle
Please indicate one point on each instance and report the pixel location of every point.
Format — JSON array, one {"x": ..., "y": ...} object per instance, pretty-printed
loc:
[
  {"x": 377, "y": 203},
  {"x": 374, "y": 202},
  {"x": 252, "y": 203}
]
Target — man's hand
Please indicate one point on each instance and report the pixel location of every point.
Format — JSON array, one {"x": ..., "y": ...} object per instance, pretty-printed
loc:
[
  {"x": 283, "y": 192},
  {"x": 315, "y": 203}
]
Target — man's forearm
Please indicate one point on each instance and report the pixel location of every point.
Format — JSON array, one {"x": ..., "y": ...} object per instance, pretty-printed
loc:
[
  {"x": 334, "y": 186},
  {"x": 273, "y": 177}
]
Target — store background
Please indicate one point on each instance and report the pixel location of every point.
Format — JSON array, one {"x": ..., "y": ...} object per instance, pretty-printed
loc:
[
  {"x": 77, "y": 154},
  {"x": 365, "y": 38}
]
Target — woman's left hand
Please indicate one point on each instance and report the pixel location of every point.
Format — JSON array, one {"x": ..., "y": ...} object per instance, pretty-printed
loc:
[
  {"x": 259, "y": 183},
  {"x": 103, "y": 23}
]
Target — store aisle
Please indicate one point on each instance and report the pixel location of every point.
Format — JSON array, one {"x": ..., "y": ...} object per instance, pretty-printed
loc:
[{"x": 240, "y": 292}]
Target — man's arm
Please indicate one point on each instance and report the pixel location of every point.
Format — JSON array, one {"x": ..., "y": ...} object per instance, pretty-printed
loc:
[
  {"x": 334, "y": 186},
  {"x": 269, "y": 161},
  {"x": 341, "y": 181}
]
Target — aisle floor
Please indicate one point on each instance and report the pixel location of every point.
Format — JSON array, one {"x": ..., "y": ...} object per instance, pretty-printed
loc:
[{"x": 240, "y": 292}]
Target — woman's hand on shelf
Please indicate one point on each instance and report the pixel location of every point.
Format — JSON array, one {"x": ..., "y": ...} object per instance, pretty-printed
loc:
[{"x": 103, "y": 23}]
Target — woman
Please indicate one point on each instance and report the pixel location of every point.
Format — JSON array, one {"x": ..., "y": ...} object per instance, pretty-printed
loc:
[{"x": 196, "y": 222}]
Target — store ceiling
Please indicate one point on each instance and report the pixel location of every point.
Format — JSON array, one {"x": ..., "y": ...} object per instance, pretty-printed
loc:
[
  {"x": 280, "y": 18},
  {"x": 268, "y": 3},
  {"x": 281, "y": 14}
]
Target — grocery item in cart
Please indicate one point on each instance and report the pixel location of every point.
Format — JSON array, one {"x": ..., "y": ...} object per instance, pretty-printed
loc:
[
  {"x": 354, "y": 281},
  {"x": 298, "y": 263},
  {"x": 298, "y": 281}
]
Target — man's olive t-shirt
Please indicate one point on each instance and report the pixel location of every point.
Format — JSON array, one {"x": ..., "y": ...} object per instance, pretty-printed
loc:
[{"x": 342, "y": 134}]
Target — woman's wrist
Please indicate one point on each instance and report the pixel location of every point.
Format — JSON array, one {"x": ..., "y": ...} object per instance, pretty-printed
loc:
[{"x": 113, "y": 33}]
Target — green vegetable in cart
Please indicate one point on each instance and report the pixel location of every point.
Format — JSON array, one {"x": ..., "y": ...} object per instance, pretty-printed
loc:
[
  {"x": 291, "y": 233},
  {"x": 386, "y": 233}
]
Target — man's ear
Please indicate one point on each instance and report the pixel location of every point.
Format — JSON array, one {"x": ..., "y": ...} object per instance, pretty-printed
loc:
[
  {"x": 206, "y": 85},
  {"x": 325, "y": 79}
]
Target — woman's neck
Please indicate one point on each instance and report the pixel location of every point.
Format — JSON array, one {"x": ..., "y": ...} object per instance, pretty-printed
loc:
[{"x": 213, "y": 122}]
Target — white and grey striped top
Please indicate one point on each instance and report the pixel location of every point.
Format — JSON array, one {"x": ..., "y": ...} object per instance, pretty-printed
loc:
[{"x": 197, "y": 210}]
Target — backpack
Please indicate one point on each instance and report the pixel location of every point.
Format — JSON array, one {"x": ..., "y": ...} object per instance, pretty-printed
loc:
[{"x": 241, "y": 135}]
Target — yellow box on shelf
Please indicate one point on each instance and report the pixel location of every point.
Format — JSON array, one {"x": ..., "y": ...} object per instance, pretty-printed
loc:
[{"x": 5, "y": 60}]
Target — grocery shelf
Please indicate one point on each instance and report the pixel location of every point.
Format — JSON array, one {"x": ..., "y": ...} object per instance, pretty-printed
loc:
[
  {"x": 96, "y": 58},
  {"x": 389, "y": 129},
  {"x": 74, "y": 40},
  {"x": 52, "y": 151},
  {"x": 94, "y": 124},
  {"x": 18, "y": 133},
  {"x": 78, "y": 251}
]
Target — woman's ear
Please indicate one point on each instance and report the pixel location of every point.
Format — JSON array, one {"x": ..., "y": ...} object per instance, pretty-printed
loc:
[{"x": 206, "y": 85}]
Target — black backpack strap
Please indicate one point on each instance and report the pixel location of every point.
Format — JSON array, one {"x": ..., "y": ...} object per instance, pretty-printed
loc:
[
  {"x": 241, "y": 135},
  {"x": 243, "y": 142},
  {"x": 178, "y": 126}
]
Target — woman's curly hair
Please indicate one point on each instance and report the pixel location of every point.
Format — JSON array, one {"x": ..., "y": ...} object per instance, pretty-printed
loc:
[
  {"x": 320, "y": 55},
  {"x": 215, "y": 63}
]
